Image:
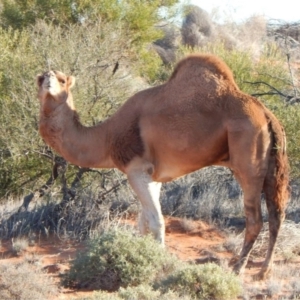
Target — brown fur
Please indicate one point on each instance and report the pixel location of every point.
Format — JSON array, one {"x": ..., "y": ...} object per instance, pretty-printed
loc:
[
  {"x": 278, "y": 155},
  {"x": 208, "y": 62},
  {"x": 131, "y": 141},
  {"x": 198, "y": 118}
]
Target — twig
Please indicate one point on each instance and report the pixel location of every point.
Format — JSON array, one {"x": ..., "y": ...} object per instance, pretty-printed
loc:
[
  {"x": 290, "y": 99},
  {"x": 112, "y": 189},
  {"x": 42, "y": 190},
  {"x": 270, "y": 86}
]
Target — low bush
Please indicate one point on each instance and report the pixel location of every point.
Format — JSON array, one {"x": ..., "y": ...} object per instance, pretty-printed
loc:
[
  {"x": 118, "y": 259},
  {"x": 146, "y": 292},
  {"x": 208, "y": 281},
  {"x": 139, "y": 268},
  {"x": 140, "y": 292}
]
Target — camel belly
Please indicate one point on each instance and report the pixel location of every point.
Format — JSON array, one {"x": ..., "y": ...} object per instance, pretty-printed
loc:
[
  {"x": 168, "y": 173},
  {"x": 170, "y": 165},
  {"x": 179, "y": 148}
]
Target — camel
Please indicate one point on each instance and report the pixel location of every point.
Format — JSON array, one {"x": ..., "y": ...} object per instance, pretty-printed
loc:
[{"x": 198, "y": 118}]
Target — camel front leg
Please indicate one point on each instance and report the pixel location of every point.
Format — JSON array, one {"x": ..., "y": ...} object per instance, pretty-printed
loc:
[{"x": 148, "y": 192}]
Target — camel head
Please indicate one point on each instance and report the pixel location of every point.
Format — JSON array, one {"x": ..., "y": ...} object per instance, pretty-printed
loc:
[{"x": 54, "y": 87}]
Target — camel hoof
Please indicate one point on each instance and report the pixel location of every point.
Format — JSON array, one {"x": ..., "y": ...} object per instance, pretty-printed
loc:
[{"x": 239, "y": 267}]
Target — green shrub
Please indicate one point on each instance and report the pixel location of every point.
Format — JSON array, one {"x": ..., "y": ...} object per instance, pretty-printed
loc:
[
  {"x": 150, "y": 66},
  {"x": 24, "y": 165},
  {"x": 146, "y": 292},
  {"x": 140, "y": 292},
  {"x": 208, "y": 281},
  {"x": 101, "y": 295},
  {"x": 116, "y": 259}
]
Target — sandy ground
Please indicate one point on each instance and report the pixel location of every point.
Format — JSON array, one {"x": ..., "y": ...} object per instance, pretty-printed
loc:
[{"x": 195, "y": 241}]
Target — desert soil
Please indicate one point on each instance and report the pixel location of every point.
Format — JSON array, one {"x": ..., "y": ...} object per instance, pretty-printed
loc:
[{"x": 196, "y": 241}]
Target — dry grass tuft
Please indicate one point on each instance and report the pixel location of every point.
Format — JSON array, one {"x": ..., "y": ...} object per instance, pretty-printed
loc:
[
  {"x": 273, "y": 287},
  {"x": 188, "y": 225},
  {"x": 25, "y": 281},
  {"x": 19, "y": 245}
]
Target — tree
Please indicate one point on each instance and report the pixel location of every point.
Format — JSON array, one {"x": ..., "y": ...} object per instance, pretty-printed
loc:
[
  {"x": 97, "y": 41},
  {"x": 137, "y": 17},
  {"x": 90, "y": 54}
]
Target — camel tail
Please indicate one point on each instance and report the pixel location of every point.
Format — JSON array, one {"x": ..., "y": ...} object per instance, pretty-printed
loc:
[
  {"x": 276, "y": 187},
  {"x": 276, "y": 184}
]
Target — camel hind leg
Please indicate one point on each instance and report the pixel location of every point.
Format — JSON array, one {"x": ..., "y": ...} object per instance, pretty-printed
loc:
[
  {"x": 248, "y": 150},
  {"x": 276, "y": 216},
  {"x": 251, "y": 187}
]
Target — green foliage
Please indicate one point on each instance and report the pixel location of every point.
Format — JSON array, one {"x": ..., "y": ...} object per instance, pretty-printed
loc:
[
  {"x": 18, "y": 118},
  {"x": 143, "y": 291},
  {"x": 151, "y": 68},
  {"x": 118, "y": 258},
  {"x": 137, "y": 17},
  {"x": 101, "y": 295},
  {"x": 138, "y": 262},
  {"x": 84, "y": 38},
  {"x": 146, "y": 292},
  {"x": 90, "y": 54},
  {"x": 208, "y": 281},
  {"x": 19, "y": 14},
  {"x": 140, "y": 292},
  {"x": 290, "y": 118}
]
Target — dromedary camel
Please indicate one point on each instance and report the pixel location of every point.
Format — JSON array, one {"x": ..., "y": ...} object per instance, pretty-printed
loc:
[{"x": 198, "y": 118}]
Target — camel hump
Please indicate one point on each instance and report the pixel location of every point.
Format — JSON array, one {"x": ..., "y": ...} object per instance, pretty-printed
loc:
[{"x": 209, "y": 62}]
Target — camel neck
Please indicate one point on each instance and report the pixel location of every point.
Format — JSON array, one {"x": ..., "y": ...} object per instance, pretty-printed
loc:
[{"x": 63, "y": 131}]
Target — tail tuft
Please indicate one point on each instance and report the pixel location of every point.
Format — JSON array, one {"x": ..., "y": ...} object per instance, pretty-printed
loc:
[{"x": 278, "y": 164}]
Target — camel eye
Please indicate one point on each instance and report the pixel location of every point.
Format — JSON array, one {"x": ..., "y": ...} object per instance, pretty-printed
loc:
[{"x": 62, "y": 81}]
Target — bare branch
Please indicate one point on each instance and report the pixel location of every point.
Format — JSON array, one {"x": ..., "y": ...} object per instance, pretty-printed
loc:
[
  {"x": 275, "y": 91},
  {"x": 42, "y": 190},
  {"x": 112, "y": 189}
]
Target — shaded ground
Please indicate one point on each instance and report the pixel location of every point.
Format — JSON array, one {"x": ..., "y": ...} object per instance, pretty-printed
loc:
[{"x": 189, "y": 240}]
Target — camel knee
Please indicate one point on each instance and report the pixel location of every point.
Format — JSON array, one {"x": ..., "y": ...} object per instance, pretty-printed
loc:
[
  {"x": 251, "y": 234},
  {"x": 276, "y": 216},
  {"x": 254, "y": 222},
  {"x": 252, "y": 231}
]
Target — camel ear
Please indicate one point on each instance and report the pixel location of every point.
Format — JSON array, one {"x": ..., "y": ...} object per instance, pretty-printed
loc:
[
  {"x": 39, "y": 80},
  {"x": 71, "y": 81}
]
